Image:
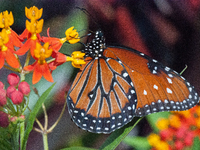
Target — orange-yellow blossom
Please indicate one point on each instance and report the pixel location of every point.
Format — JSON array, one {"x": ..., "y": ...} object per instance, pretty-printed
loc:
[
  {"x": 3, "y": 40},
  {"x": 77, "y": 59},
  {"x": 40, "y": 67},
  {"x": 42, "y": 52},
  {"x": 33, "y": 13},
  {"x": 6, "y": 19},
  {"x": 72, "y": 36},
  {"x": 34, "y": 26},
  {"x": 6, "y": 51}
]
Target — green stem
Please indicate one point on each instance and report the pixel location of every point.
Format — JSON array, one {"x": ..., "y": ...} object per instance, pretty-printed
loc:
[
  {"x": 45, "y": 140},
  {"x": 27, "y": 58},
  {"x": 50, "y": 60},
  {"x": 15, "y": 136},
  {"x": 22, "y": 124},
  {"x": 55, "y": 124},
  {"x": 27, "y": 102},
  {"x": 12, "y": 69},
  {"x": 45, "y": 116},
  {"x": 22, "y": 76}
]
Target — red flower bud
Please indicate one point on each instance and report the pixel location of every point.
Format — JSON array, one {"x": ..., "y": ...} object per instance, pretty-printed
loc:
[
  {"x": 13, "y": 79},
  {"x": 16, "y": 97},
  {"x": 4, "y": 122},
  {"x": 10, "y": 90},
  {"x": 1, "y": 85},
  {"x": 22, "y": 118},
  {"x": 13, "y": 119},
  {"x": 3, "y": 99},
  {"x": 24, "y": 88}
]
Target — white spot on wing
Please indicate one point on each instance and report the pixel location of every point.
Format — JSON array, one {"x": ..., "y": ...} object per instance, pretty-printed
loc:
[
  {"x": 169, "y": 80},
  {"x": 125, "y": 74},
  {"x": 145, "y": 92},
  {"x": 155, "y": 60},
  {"x": 155, "y": 87},
  {"x": 169, "y": 91}
]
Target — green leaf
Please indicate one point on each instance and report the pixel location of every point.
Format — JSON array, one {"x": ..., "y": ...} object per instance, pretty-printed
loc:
[
  {"x": 116, "y": 137},
  {"x": 196, "y": 145},
  {"x": 153, "y": 118},
  {"x": 78, "y": 148},
  {"x": 137, "y": 142},
  {"x": 33, "y": 113}
]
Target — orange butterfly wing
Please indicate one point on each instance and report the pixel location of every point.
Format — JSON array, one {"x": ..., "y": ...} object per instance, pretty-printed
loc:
[
  {"x": 101, "y": 98},
  {"x": 158, "y": 87}
]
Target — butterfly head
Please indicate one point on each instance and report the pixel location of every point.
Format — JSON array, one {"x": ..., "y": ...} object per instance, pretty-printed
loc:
[{"x": 96, "y": 47}]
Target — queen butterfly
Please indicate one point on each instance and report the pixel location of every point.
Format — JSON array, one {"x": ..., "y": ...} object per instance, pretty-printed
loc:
[{"x": 116, "y": 84}]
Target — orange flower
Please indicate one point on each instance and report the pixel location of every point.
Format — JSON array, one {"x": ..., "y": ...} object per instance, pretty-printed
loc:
[
  {"x": 30, "y": 43},
  {"x": 72, "y": 37},
  {"x": 59, "y": 60},
  {"x": 6, "y": 19},
  {"x": 33, "y": 28},
  {"x": 55, "y": 43},
  {"x": 6, "y": 51},
  {"x": 76, "y": 59},
  {"x": 40, "y": 67},
  {"x": 33, "y": 13}
]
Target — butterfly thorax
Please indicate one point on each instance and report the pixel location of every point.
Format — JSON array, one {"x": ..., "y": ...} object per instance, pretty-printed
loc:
[{"x": 96, "y": 47}]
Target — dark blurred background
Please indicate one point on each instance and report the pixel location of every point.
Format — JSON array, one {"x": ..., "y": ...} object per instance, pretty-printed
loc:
[{"x": 167, "y": 30}]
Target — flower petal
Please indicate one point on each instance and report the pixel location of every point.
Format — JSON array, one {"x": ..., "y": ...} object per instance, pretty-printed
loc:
[
  {"x": 11, "y": 59},
  {"x": 15, "y": 39},
  {"x": 25, "y": 34},
  {"x": 1, "y": 59},
  {"x": 61, "y": 58},
  {"x": 46, "y": 73},
  {"x": 37, "y": 74},
  {"x": 54, "y": 42},
  {"x": 24, "y": 48},
  {"x": 30, "y": 67}
]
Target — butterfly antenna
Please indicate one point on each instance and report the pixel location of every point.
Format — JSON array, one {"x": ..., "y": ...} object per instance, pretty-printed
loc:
[
  {"x": 88, "y": 14},
  {"x": 183, "y": 70}
]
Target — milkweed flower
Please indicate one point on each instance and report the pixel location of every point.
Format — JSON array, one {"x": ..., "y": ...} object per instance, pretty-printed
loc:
[
  {"x": 76, "y": 59},
  {"x": 33, "y": 28},
  {"x": 72, "y": 37},
  {"x": 33, "y": 13},
  {"x": 40, "y": 67},
  {"x": 6, "y": 20},
  {"x": 7, "y": 52}
]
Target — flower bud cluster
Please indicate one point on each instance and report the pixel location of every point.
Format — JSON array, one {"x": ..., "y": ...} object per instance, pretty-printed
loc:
[{"x": 17, "y": 90}]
